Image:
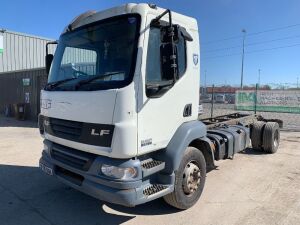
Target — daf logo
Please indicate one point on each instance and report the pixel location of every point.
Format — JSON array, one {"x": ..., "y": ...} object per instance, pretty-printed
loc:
[{"x": 100, "y": 132}]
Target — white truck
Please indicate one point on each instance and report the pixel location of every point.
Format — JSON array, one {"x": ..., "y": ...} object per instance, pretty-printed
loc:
[{"x": 119, "y": 114}]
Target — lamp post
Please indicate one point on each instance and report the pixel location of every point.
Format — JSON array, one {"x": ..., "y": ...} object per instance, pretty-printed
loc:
[
  {"x": 205, "y": 81},
  {"x": 259, "y": 76},
  {"x": 243, "y": 56}
]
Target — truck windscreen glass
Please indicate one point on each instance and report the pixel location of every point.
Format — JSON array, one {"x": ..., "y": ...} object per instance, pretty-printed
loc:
[{"x": 97, "y": 56}]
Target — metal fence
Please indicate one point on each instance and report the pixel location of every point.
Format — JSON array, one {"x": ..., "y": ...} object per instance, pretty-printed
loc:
[{"x": 285, "y": 101}]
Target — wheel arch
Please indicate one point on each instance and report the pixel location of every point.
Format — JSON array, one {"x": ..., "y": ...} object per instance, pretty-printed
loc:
[
  {"x": 206, "y": 147},
  {"x": 188, "y": 134}
]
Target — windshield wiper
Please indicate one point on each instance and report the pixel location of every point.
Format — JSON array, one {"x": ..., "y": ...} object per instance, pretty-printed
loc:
[
  {"x": 87, "y": 81},
  {"x": 52, "y": 85}
]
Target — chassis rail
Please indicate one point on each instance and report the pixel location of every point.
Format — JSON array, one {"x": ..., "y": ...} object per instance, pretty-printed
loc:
[{"x": 237, "y": 119}]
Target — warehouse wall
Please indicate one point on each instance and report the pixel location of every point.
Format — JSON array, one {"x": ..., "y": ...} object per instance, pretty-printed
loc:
[
  {"x": 12, "y": 90},
  {"x": 23, "y": 56},
  {"x": 22, "y": 51}
]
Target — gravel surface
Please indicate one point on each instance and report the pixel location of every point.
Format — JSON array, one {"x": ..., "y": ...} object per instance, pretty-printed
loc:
[{"x": 254, "y": 188}]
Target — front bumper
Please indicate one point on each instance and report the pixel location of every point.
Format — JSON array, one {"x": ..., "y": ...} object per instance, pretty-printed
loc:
[{"x": 89, "y": 180}]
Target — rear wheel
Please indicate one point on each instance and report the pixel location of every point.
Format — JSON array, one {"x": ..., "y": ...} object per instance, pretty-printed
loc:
[
  {"x": 257, "y": 134},
  {"x": 189, "y": 180},
  {"x": 271, "y": 137}
]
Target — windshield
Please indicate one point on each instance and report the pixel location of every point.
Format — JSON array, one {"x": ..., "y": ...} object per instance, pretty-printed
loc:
[{"x": 98, "y": 56}]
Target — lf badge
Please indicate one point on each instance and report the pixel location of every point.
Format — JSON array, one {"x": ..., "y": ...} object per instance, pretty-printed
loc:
[{"x": 100, "y": 132}]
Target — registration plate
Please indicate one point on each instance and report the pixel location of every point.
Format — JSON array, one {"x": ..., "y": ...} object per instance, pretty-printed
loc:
[{"x": 46, "y": 169}]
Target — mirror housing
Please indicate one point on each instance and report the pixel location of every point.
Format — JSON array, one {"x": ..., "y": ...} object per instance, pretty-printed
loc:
[
  {"x": 48, "y": 62},
  {"x": 185, "y": 34},
  {"x": 177, "y": 30},
  {"x": 49, "y": 57}
]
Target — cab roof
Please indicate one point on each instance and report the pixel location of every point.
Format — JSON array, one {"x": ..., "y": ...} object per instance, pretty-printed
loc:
[{"x": 141, "y": 8}]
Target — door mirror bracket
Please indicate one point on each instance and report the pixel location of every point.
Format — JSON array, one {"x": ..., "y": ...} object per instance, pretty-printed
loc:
[{"x": 168, "y": 50}]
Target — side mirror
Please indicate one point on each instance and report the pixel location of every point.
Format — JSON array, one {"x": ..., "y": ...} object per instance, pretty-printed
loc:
[
  {"x": 48, "y": 62},
  {"x": 169, "y": 61},
  {"x": 49, "y": 57},
  {"x": 176, "y": 31},
  {"x": 168, "y": 32}
]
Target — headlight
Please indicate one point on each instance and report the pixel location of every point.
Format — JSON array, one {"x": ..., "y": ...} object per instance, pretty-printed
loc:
[{"x": 118, "y": 172}]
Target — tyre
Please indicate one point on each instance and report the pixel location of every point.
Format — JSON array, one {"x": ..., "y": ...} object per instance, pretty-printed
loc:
[
  {"x": 271, "y": 137},
  {"x": 189, "y": 180},
  {"x": 257, "y": 134}
]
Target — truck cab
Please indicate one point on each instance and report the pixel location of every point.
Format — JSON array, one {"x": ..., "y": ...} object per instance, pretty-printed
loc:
[
  {"x": 119, "y": 115},
  {"x": 138, "y": 105}
]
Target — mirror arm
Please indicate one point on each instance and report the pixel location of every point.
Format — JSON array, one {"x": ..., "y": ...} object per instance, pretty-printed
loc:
[
  {"x": 171, "y": 33},
  {"x": 168, "y": 11}
]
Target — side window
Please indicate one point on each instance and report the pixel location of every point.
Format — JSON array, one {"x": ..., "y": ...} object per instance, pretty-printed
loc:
[{"x": 153, "y": 69}]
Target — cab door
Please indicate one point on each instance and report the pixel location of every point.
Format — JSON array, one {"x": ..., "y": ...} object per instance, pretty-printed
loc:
[{"x": 161, "y": 113}]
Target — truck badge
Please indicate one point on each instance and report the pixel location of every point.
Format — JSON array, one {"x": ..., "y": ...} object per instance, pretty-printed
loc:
[
  {"x": 195, "y": 59},
  {"x": 146, "y": 142},
  {"x": 46, "y": 123},
  {"x": 100, "y": 132},
  {"x": 46, "y": 103}
]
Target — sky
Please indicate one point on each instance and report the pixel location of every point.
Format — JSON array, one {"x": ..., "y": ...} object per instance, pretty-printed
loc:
[{"x": 272, "y": 41}]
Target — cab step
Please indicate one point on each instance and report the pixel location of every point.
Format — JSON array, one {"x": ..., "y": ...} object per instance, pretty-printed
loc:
[
  {"x": 154, "y": 188},
  {"x": 151, "y": 166}
]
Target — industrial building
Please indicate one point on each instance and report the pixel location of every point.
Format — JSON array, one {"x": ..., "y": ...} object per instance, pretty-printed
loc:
[{"x": 22, "y": 71}]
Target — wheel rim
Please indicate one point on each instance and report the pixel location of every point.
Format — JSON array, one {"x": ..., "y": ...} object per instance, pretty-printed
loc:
[
  {"x": 276, "y": 138},
  {"x": 191, "y": 178}
]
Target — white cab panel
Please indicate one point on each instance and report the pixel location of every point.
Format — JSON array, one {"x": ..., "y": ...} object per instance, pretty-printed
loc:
[
  {"x": 124, "y": 143},
  {"x": 82, "y": 106}
]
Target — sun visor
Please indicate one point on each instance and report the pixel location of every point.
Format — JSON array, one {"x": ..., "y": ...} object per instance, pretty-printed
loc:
[{"x": 74, "y": 23}]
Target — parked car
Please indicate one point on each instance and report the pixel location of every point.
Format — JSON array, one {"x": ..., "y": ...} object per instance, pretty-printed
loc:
[
  {"x": 220, "y": 99},
  {"x": 205, "y": 98}
]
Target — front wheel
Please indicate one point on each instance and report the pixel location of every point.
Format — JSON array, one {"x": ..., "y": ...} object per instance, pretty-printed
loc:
[{"x": 189, "y": 180}]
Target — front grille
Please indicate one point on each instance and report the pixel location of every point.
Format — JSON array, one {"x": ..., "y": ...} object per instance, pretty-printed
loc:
[
  {"x": 81, "y": 132},
  {"x": 66, "y": 129},
  {"x": 72, "y": 157}
]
